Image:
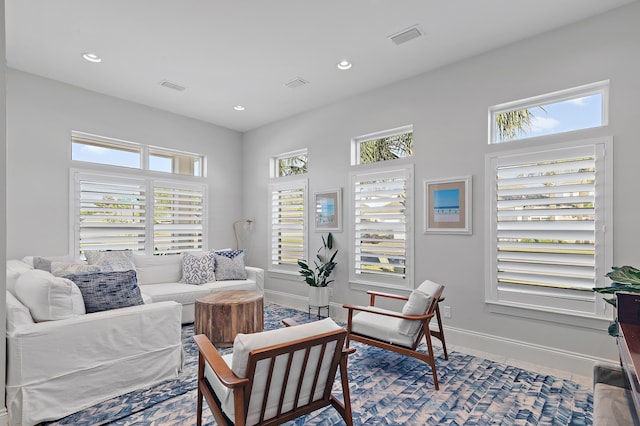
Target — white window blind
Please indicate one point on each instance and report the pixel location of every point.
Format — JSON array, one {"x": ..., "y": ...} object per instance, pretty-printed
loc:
[
  {"x": 111, "y": 213},
  {"x": 548, "y": 227},
  {"x": 382, "y": 226},
  {"x": 288, "y": 224},
  {"x": 119, "y": 212},
  {"x": 177, "y": 218}
]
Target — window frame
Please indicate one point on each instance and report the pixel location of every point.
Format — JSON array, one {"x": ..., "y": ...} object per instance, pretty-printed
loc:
[
  {"x": 143, "y": 150},
  {"x": 601, "y": 87},
  {"x": 274, "y": 169},
  {"x": 356, "y": 281},
  {"x": 358, "y": 140},
  {"x": 559, "y": 312}
]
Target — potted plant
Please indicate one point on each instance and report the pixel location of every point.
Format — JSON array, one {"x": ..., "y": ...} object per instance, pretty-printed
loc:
[
  {"x": 318, "y": 277},
  {"x": 624, "y": 278}
]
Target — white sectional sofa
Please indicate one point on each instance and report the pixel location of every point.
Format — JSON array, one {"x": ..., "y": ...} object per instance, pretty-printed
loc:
[
  {"x": 159, "y": 279},
  {"x": 58, "y": 367}
]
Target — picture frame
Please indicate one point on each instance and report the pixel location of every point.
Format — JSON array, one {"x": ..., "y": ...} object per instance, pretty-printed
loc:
[
  {"x": 448, "y": 206},
  {"x": 328, "y": 210}
]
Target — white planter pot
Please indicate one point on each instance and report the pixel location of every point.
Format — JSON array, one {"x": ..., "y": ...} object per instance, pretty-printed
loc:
[{"x": 318, "y": 296}]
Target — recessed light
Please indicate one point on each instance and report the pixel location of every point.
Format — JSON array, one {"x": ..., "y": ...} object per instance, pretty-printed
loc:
[
  {"x": 92, "y": 57},
  {"x": 239, "y": 108},
  {"x": 344, "y": 65}
]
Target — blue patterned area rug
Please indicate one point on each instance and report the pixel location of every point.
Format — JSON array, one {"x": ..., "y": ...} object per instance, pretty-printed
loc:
[{"x": 386, "y": 389}]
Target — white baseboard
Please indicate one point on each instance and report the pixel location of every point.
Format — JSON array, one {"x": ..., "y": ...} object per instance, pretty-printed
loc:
[
  {"x": 4, "y": 417},
  {"x": 501, "y": 348}
]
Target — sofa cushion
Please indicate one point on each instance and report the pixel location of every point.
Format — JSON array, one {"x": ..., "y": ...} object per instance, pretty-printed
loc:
[
  {"x": 230, "y": 265},
  {"x": 60, "y": 269},
  {"x": 109, "y": 261},
  {"x": 178, "y": 292},
  {"x": 158, "y": 269},
  {"x": 198, "y": 268},
  {"x": 18, "y": 315},
  {"x": 49, "y": 298},
  {"x": 103, "y": 291},
  {"x": 15, "y": 268}
]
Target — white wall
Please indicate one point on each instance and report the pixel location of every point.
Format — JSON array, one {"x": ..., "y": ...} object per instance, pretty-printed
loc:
[
  {"x": 448, "y": 108},
  {"x": 41, "y": 115},
  {"x": 3, "y": 211}
]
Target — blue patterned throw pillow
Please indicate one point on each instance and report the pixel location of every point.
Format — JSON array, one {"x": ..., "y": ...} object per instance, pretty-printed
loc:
[
  {"x": 230, "y": 265},
  {"x": 198, "y": 268},
  {"x": 103, "y": 291}
]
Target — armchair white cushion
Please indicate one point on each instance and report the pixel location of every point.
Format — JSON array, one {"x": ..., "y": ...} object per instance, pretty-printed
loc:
[{"x": 237, "y": 361}]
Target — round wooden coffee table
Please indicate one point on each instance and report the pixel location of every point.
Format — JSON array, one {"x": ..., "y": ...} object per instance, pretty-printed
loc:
[{"x": 223, "y": 314}]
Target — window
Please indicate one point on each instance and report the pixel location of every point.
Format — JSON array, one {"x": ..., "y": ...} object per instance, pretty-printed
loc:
[
  {"x": 178, "y": 215},
  {"x": 101, "y": 150},
  {"x": 117, "y": 212},
  {"x": 382, "y": 146},
  {"x": 579, "y": 108},
  {"x": 288, "y": 202},
  {"x": 289, "y": 164},
  {"x": 382, "y": 227},
  {"x": 550, "y": 220}
]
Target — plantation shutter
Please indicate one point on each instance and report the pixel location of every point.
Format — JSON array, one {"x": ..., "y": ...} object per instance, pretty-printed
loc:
[
  {"x": 288, "y": 218},
  {"x": 111, "y": 213},
  {"x": 547, "y": 220},
  {"x": 178, "y": 219},
  {"x": 381, "y": 225}
]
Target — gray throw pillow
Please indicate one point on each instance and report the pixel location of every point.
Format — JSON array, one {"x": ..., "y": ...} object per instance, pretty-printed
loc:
[
  {"x": 103, "y": 291},
  {"x": 108, "y": 261},
  {"x": 230, "y": 265}
]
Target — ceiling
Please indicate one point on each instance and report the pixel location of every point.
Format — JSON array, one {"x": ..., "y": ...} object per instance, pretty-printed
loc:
[{"x": 233, "y": 52}]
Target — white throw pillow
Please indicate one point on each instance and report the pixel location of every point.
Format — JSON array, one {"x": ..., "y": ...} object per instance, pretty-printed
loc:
[
  {"x": 15, "y": 268},
  {"x": 245, "y": 343},
  {"x": 198, "y": 268},
  {"x": 49, "y": 298},
  {"x": 418, "y": 303}
]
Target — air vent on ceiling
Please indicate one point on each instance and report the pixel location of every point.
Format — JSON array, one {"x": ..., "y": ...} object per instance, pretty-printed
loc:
[
  {"x": 296, "y": 82},
  {"x": 170, "y": 85},
  {"x": 406, "y": 35}
]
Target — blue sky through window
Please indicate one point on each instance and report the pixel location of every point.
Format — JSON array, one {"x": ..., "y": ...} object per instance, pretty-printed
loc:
[
  {"x": 102, "y": 155},
  {"x": 573, "y": 114}
]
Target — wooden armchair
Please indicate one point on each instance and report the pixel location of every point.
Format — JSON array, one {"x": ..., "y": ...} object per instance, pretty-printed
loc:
[
  {"x": 274, "y": 376},
  {"x": 400, "y": 332}
]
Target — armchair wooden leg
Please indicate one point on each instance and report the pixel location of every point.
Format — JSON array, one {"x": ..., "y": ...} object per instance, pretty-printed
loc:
[
  {"x": 440, "y": 333},
  {"x": 200, "y": 396}
]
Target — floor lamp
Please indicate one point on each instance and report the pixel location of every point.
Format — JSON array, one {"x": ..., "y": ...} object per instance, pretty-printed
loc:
[{"x": 247, "y": 224}]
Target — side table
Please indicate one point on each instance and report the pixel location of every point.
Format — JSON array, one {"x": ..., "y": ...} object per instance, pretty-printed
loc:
[{"x": 223, "y": 314}]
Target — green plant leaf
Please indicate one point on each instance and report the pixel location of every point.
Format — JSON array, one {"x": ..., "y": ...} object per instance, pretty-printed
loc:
[
  {"x": 625, "y": 275},
  {"x": 613, "y": 329},
  {"x": 329, "y": 244}
]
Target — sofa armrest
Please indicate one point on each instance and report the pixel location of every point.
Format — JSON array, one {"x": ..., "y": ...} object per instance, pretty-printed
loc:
[
  {"x": 57, "y": 348},
  {"x": 257, "y": 275}
]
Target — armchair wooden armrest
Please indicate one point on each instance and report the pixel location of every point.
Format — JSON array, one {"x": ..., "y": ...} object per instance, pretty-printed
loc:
[
  {"x": 219, "y": 367},
  {"x": 289, "y": 322},
  {"x": 352, "y": 308},
  {"x": 373, "y": 295}
]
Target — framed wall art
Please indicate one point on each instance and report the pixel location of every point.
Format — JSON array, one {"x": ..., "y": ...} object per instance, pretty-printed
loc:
[
  {"x": 447, "y": 206},
  {"x": 328, "y": 210}
]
